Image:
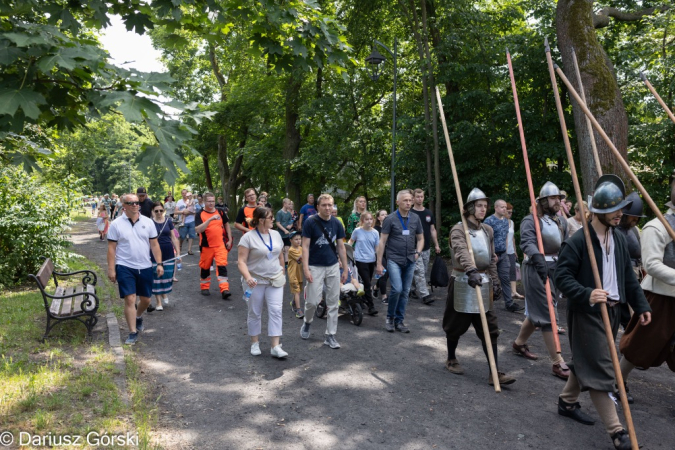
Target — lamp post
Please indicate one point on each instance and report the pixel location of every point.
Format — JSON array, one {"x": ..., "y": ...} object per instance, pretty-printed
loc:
[{"x": 374, "y": 60}]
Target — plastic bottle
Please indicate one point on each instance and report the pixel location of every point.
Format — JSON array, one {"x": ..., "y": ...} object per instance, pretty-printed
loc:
[
  {"x": 377, "y": 277},
  {"x": 248, "y": 292},
  {"x": 179, "y": 265}
]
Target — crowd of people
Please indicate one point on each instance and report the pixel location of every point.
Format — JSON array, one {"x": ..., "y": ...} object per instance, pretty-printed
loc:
[{"x": 389, "y": 255}]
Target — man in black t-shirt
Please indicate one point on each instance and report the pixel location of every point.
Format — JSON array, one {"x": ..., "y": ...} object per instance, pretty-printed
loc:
[
  {"x": 146, "y": 204},
  {"x": 322, "y": 240},
  {"x": 430, "y": 235}
]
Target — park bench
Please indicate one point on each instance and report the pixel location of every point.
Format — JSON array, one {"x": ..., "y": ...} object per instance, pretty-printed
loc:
[{"x": 78, "y": 303}]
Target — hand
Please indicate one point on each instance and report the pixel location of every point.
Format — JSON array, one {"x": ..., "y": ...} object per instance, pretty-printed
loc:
[
  {"x": 216, "y": 217},
  {"x": 645, "y": 318},
  {"x": 379, "y": 270},
  {"x": 251, "y": 282},
  {"x": 417, "y": 255},
  {"x": 539, "y": 262},
  {"x": 343, "y": 277},
  {"x": 598, "y": 296},
  {"x": 112, "y": 275},
  {"x": 160, "y": 271},
  {"x": 228, "y": 245},
  {"x": 474, "y": 278},
  {"x": 308, "y": 276},
  {"x": 438, "y": 250}
]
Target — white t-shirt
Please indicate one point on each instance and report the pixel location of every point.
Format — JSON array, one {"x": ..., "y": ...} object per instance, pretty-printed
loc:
[
  {"x": 262, "y": 266},
  {"x": 609, "y": 278},
  {"x": 180, "y": 206},
  {"x": 133, "y": 241},
  {"x": 509, "y": 239}
]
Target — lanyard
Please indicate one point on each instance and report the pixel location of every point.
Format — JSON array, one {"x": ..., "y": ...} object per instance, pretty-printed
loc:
[
  {"x": 269, "y": 247},
  {"x": 407, "y": 219}
]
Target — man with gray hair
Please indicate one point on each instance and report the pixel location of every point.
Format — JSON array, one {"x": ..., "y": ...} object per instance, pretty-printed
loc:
[
  {"x": 403, "y": 238},
  {"x": 500, "y": 225}
]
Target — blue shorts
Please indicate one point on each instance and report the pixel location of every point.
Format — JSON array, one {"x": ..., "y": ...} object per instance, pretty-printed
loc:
[
  {"x": 134, "y": 281},
  {"x": 187, "y": 230}
]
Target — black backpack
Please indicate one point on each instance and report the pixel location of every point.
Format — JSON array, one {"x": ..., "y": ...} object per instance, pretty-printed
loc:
[{"x": 439, "y": 273}]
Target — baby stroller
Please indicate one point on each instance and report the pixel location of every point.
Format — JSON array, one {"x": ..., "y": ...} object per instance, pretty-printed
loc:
[{"x": 350, "y": 302}]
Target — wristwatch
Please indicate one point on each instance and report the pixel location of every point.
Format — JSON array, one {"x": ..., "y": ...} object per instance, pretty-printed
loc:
[{"x": 160, "y": 264}]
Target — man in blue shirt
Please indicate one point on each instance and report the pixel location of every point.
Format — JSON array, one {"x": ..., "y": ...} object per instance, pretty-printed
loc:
[
  {"x": 322, "y": 241},
  {"x": 500, "y": 224},
  {"x": 307, "y": 211}
]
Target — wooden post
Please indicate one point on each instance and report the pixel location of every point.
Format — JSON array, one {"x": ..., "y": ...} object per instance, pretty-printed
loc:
[
  {"x": 533, "y": 202},
  {"x": 481, "y": 307},
  {"x": 589, "y": 244}
]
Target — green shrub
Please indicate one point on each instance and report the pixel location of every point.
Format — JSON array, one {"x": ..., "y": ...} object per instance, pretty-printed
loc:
[{"x": 33, "y": 217}]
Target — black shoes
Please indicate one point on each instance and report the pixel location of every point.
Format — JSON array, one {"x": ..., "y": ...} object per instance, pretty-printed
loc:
[
  {"x": 427, "y": 300},
  {"x": 401, "y": 327},
  {"x": 225, "y": 294},
  {"x": 206, "y": 292},
  {"x": 372, "y": 311},
  {"x": 514, "y": 307},
  {"x": 617, "y": 394},
  {"x": 621, "y": 440},
  {"x": 573, "y": 411}
]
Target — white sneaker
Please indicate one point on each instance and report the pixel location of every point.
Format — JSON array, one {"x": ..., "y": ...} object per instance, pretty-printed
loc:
[
  {"x": 159, "y": 308},
  {"x": 277, "y": 352},
  {"x": 165, "y": 301},
  {"x": 255, "y": 349}
]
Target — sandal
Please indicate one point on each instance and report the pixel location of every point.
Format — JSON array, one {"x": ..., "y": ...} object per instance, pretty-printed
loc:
[
  {"x": 561, "y": 330},
  {"x": 190, "y": 253}
]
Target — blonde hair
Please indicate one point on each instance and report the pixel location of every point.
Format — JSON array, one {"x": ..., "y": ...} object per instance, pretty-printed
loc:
[
  {"x": 323, "y": 197},
  {"x": 364, "y": 215},
  {"x": 356, "y": 200}
]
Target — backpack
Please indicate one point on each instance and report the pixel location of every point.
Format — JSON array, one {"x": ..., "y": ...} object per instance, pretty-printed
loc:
[{"x": 439, "y": 273}]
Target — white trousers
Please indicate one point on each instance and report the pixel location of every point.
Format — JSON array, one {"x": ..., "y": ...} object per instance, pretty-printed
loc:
[
  {"x": 331, "y": 276},
  {"x": 274, "y": 296}
]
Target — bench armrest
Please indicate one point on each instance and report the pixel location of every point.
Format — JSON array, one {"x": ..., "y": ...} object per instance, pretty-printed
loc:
[{"x": 89, "y": 278}]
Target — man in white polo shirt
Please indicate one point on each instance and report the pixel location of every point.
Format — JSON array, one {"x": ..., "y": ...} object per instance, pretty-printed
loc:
[{"x": 131, "y": 237}]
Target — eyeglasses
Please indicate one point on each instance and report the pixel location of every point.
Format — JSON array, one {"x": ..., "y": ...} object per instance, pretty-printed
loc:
[
  {"x": 132, "y": 203},
  {"x": 159, "y": 211}
]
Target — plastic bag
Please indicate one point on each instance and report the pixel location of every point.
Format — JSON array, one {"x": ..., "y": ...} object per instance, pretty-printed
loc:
[{"x": 439, "y": 273}]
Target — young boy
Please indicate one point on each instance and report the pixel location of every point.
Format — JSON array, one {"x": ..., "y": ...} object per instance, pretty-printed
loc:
[{"x": 295, "y": 277}]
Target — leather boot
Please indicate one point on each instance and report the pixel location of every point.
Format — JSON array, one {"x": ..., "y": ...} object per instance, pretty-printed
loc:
[
  {"x": 560, "y": 370},
  {"x": 573, "y": 411}
]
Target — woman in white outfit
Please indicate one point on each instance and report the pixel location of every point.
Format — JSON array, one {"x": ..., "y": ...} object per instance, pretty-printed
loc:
[{"x": 261, "y": 263}]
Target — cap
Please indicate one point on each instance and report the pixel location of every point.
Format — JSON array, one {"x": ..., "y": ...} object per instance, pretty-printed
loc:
[{"x": 141, "y": 190}]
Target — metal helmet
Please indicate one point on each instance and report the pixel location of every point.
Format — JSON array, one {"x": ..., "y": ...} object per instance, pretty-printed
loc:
[
  {"x": 609, "y": 195},
  {"x": 635, "y": 209},
  {"x": 475, "y": 195},
  {"x": 550, "y": 190}
]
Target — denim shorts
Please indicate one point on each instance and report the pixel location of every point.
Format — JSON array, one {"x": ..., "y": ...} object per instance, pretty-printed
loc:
[
  {"x": 187, "y": 230},
  {"x": 134, "y": 281}
]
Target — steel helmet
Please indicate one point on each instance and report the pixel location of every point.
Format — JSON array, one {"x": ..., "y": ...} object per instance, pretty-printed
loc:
[
  {"x": 635, "y": 209},
  {"x": 609, "y": 195},
  {"x": 475, "y": 195},
  {"x": 550, "y": 190}
]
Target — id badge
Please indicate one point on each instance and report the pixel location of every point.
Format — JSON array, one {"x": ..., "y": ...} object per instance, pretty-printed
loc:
[
  {"x": 270, "y": 255},
  {"x": 406, "y": 232}
]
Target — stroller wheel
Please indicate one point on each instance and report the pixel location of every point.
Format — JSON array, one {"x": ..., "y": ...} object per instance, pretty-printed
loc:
[
  {"x": 357, "y": 314},
  {"x": 320, "y": 309}
]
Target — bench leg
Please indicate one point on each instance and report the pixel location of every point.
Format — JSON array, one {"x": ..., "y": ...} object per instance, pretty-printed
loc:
[
  {"x": 90, "y": 323},
  {"x": 49, "y": 328}
]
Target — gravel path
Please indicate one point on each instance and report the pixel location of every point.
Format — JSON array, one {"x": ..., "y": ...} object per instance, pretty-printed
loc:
[{"x": 380, "y": 390}]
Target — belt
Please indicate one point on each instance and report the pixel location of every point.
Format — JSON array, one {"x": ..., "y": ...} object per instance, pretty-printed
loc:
[
  {"x": 462, "y": 270},
  {"x": 612, "y": 303}
]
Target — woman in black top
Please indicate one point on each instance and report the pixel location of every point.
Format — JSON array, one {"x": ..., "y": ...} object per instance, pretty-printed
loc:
[{"x": 381, "y": 285}]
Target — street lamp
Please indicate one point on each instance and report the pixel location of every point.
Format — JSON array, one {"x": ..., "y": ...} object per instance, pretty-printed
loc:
[{"x": 374, "y": 60}]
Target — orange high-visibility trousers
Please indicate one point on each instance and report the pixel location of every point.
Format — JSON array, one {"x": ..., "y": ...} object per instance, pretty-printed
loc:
[{"x": 207, "y": 255}]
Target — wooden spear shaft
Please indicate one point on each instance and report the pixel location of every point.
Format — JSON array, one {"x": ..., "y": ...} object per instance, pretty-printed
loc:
[
  {"x": 589, "y": 125},
  {"x": 481, "y": 307},
  {"x": 658, "y": 97},
  {"x": 535, "y": 215},
  {"x": 589, "y": 244},
  {"x": 618, "y": 156}
]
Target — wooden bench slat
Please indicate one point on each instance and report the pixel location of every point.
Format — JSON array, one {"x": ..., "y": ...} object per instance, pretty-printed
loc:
[
  {"x": 67, "y": 302},
  {"x": 56, "y": 303},
  {"x": 45, "y": 272},
  {"x": 77, "y": 301}
]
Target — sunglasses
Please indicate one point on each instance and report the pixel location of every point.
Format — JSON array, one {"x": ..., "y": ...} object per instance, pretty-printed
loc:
[
  {"x": 132, "y": 203},
  {"x": 159, "y": 211}
]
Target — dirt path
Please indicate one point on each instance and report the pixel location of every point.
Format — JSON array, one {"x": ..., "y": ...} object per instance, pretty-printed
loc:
[{"x": 380, "y": 390}]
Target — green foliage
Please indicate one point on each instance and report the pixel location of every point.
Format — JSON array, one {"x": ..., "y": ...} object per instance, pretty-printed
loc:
[{"x": 33, "y": 217}]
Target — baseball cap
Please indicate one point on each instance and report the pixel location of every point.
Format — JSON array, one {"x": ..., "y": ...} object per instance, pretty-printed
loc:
[{"x": 141, "y": 190}]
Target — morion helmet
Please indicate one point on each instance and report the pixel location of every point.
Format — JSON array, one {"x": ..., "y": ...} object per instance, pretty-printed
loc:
[
  {"x": 609, "y": 195},
  {"x": 550, "y": 190},
  {"x": 635, "y": 209}
]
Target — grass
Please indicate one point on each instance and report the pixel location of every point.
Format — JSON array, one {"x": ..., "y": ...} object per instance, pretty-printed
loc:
[{"x": 66, "y": 385}]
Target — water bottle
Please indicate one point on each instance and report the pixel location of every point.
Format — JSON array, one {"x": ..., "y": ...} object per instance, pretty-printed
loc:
[
  {"x": 248, "y": 292},
  {"x": 179, "y": 266},
  {"x": 377, "y": 277}
]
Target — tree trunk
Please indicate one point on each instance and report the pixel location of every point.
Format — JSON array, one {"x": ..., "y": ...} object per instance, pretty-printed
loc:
[
  {"x": 293, "y": 138},
  {"x": 575, "y": 29},
  {"x": 207, "y": 173}
]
